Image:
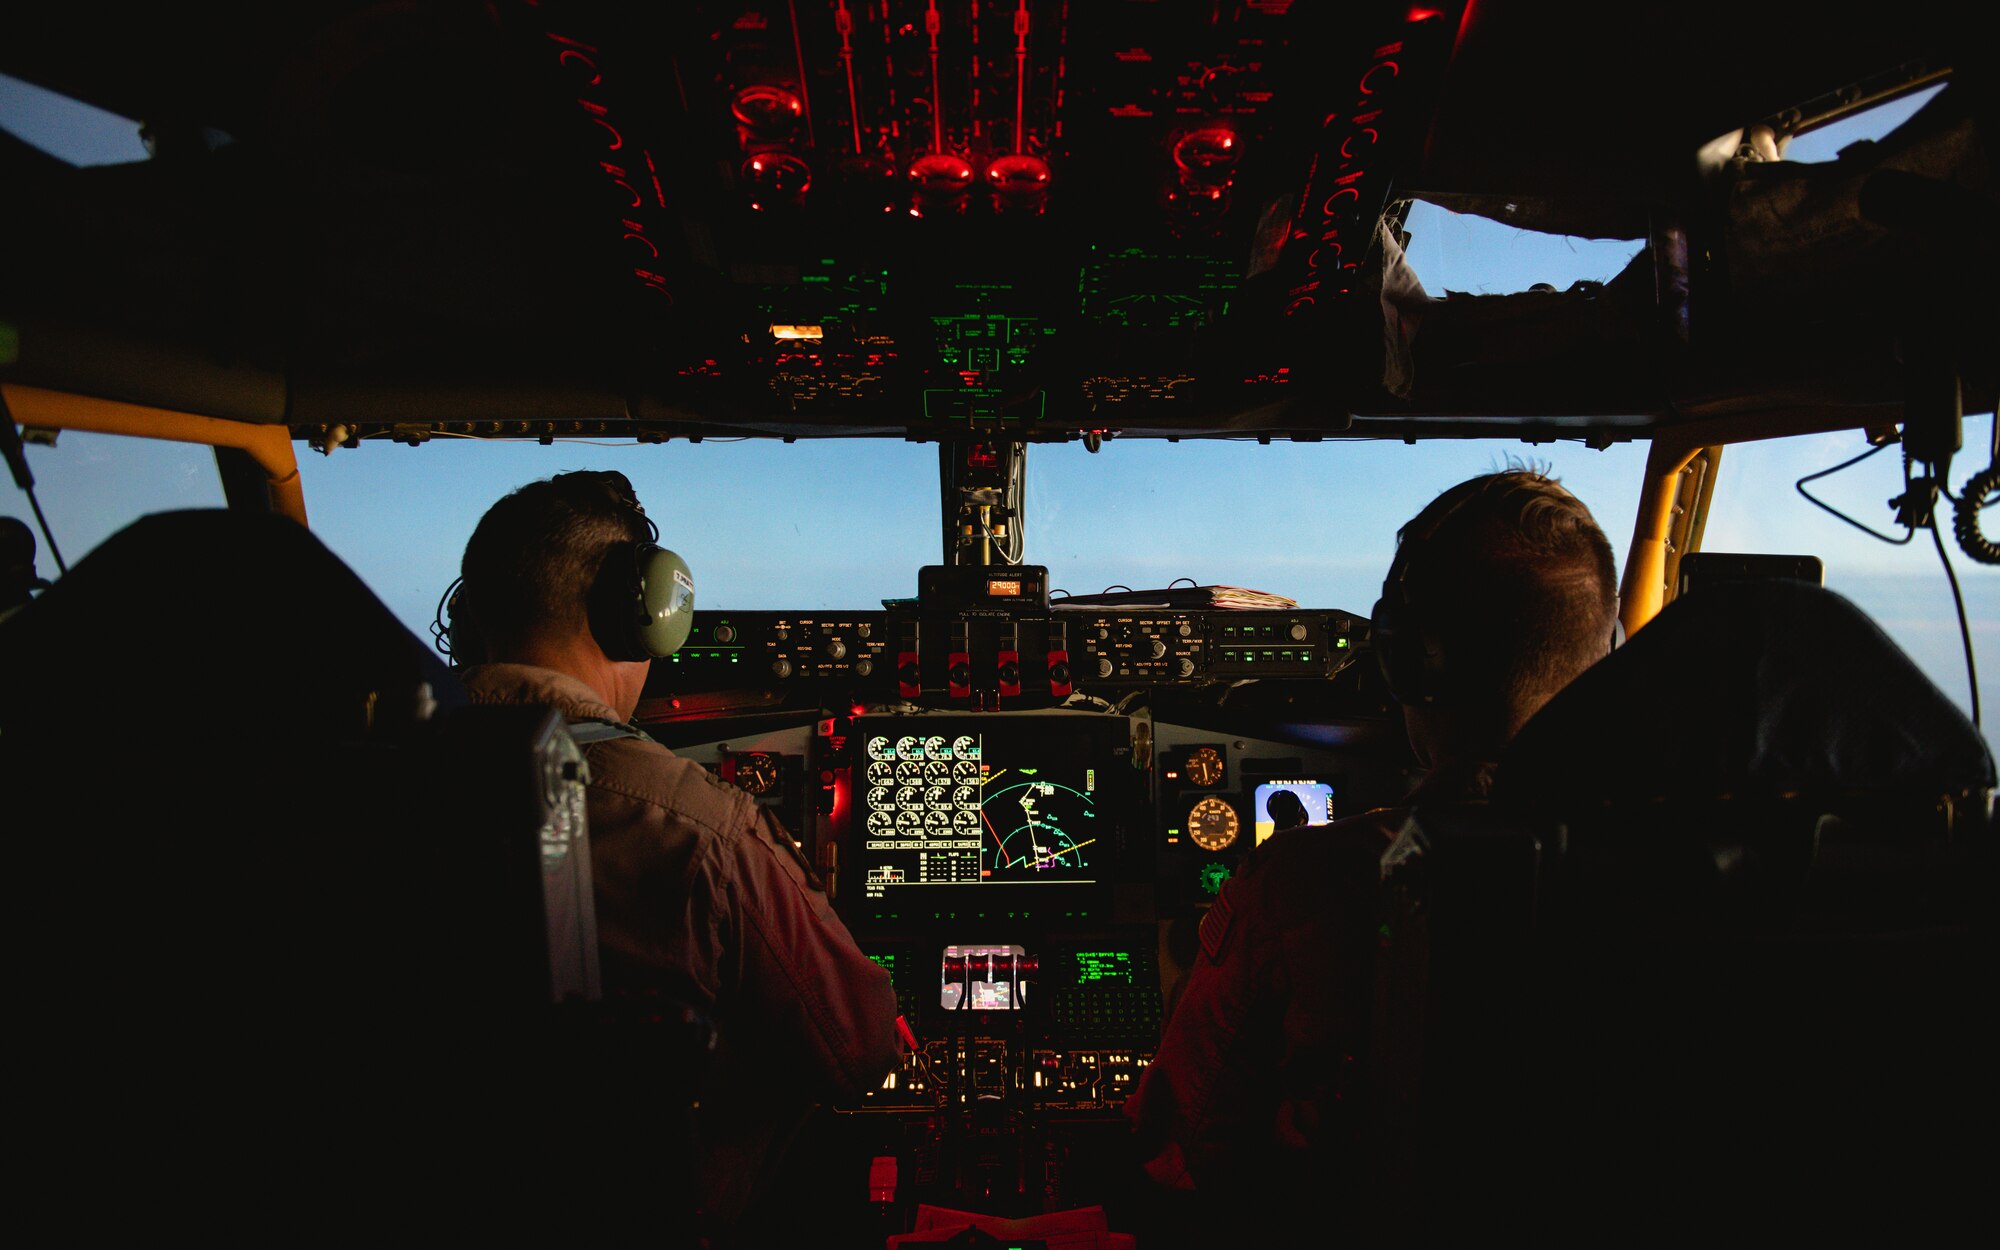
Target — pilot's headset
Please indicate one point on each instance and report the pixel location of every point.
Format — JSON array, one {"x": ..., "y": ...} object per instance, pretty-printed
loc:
[
  {"x": 641, "y": 605},
  {"x": 1409, "y": 650}
]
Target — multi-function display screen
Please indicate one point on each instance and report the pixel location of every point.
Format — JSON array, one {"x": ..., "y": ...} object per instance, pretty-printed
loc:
[
  {"x": 982, "y": 801},
  {"x": 1315, "y": 796}
]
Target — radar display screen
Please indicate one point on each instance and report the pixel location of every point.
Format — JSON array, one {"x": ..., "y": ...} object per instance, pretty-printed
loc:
[{"x": 959, "y": 802}]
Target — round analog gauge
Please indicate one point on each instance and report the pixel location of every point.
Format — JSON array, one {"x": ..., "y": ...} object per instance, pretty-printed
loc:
[
  {"x": 909, "y": 796},
  {"x": 1212, "y": 824},
  {"x": 881, "y": 774},
  {"x": 937, "y": 747},
  {"x": 939, "y": 821},
  {"x": 878, "y": 796},
  {"x": 965, "y": 747},
  {"x": 880, "y": 822},
  {"x": 909, "y": 748},
  {"x": 937, "y": 771},
  {"x": 965, "y": 770},
  {"x": 938, "y": 797},
  {"x": 909, "y": 820},
  {"x": 965, "y": 818},
  {"x": 1204, "y": 767},
  {"x": 965, "y": 796},
  {"x": 757, "y": 772},
  {"x": 879, "y": 749},
  {"x": 909, "y": 771}
]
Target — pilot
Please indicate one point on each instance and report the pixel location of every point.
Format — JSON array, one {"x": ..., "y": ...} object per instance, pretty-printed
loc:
[
  {"x": 1501, "y": 591},
  {"x": 701, "y": 896}
]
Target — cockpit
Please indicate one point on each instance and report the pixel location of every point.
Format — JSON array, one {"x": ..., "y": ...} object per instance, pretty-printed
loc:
[{"x": 1034, "y": 389}]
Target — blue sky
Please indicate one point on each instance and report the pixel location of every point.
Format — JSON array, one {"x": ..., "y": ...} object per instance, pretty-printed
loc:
[{"x": 821, "y": 524}]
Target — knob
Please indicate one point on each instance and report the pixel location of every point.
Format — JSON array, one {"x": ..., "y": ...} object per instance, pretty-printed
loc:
[
  {"x": 1156, "y": 648},
  {"x": 1103, "y": 667},
  {"x": 1059, "y": 673},
  {"x": 1184, "y": 629},
  {"x": 863, "y": 666},
  {"x": 781, "y": 667},
  {"x": 1183, "y": 667},
  {"x": 725, "y": 633},
  {"x": 960, "y": 674},
  {"x": 908, "y": 674},
  {"x": 835, "y": 649},
  {"x": 1297, "y": 631},
  {"x": 1010, "y": 674},
  {"x": 863, "y": 630}
]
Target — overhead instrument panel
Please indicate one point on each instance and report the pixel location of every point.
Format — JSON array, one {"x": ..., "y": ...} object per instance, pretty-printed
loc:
[{"x": 1034, "y": 216}]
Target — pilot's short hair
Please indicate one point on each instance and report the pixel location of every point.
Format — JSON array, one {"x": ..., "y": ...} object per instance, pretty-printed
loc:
[
  {"x": 1513, "y": 578},
  {"x": 535, "y": 556}
]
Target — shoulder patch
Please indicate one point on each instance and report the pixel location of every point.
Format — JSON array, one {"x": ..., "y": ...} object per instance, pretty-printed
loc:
[{"x": 1215, "y": 926}]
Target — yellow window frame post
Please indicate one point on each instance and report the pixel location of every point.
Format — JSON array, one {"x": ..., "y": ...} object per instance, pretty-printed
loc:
[{"x": 269, "y": 445}]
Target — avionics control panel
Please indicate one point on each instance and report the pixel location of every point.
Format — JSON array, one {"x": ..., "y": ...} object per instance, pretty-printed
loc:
[{"x": 989, "y": 659}]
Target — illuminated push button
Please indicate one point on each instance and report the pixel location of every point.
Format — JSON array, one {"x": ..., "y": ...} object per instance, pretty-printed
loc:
[
  {"x": 767, "y": 109},
  {"x": 941, "y": 174},
  {"x": 775, "y": 177},
  {"x": 1018, "y": 181},
  {"x": 1206, "y": 157}
]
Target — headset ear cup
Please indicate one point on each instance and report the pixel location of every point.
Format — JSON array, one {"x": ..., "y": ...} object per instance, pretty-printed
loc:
[{"x": 666, "y": 600}]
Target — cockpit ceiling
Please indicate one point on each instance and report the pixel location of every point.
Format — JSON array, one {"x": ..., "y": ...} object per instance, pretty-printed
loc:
[{"x": 913, "y": 218}]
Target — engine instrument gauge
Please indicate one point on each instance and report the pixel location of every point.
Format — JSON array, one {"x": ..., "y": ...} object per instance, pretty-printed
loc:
[
  {"x": 879, "y": 748},
  {"x": 881, "y": 773},
  {"x": 937, "y": 747},
  {"x": 937, "y": 771},
  {"x": 965, "y": 747},
  {"x": 965, "y": 770},
  {"x": 1204, "y": 767},
  {"x": 880, "y": 822},
  {"x": 878, "y": 796},
  {"x": 909, "y": 748},
  {"x": 1212, "y": 824},
  {"x": 757, "y": 772}
]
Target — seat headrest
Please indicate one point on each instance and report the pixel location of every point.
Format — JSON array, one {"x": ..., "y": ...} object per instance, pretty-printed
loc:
[{"x": 1747, "y": 689}]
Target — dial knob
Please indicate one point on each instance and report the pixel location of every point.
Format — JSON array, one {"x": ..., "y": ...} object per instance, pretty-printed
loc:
[
  {"x": 725, "y": 633},
  {"x": 1183, "y": 667},
  {"x": 863, "y": 629},
  {"x": 781, "y": 667},
  {"x": 1103, "y": 667},
  {"x": 1297, "y": 631},
  {"x": 1184, "y": 629},
  {"x": 863, "y": 666},
  {"x": 1156, "y": 648},
  {"x": 835, "y": 649}
]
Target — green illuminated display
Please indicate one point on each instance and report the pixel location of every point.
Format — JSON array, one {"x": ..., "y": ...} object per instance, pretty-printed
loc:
[
  {"x": 1212, "y": 876},
  {"x": 1107, "y": 967}
]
